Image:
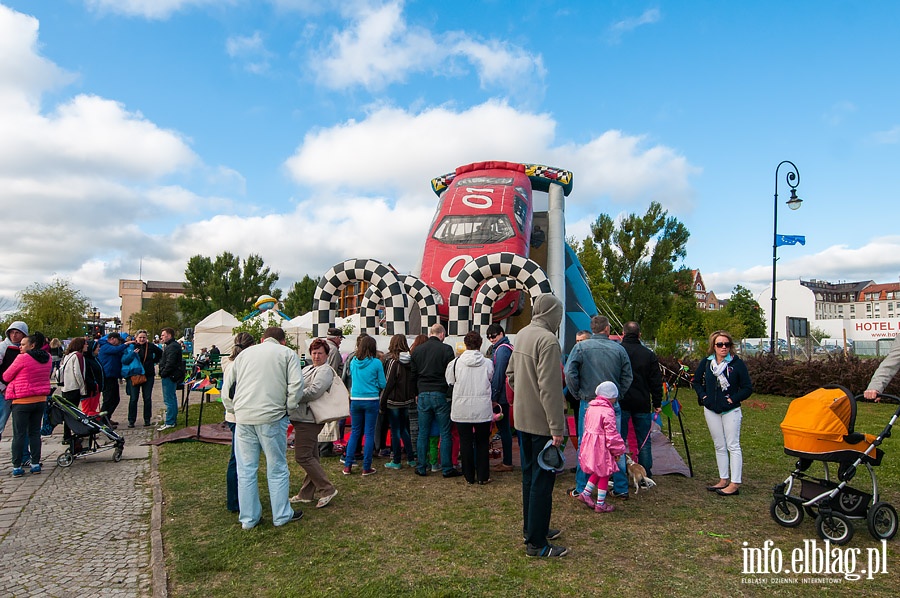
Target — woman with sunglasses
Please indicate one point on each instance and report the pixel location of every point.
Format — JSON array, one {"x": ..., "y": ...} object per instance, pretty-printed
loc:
[{"x": 722, "y": 382}]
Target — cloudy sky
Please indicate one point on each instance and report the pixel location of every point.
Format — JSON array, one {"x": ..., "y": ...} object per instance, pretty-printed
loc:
[{"x": 136, "y": 133}]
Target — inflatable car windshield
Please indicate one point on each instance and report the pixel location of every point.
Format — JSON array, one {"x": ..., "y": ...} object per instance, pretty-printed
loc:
[{"x": 484, "y": 208}]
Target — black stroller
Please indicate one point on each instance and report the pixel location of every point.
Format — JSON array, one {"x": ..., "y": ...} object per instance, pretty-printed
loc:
[{"x": 84, "y": 432}]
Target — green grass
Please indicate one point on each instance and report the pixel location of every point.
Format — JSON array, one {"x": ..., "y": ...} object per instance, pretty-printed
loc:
[{"x": 398, "y": 534}]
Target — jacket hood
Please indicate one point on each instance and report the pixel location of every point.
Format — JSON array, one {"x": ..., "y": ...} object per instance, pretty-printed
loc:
[
  {"x": 404, "y": 357},
  {"x": 39, "y": 355},
  {"x": 18, "y": 325},
  {"x": 472, "y": 359},
  {"x": 547, "y": 312}
]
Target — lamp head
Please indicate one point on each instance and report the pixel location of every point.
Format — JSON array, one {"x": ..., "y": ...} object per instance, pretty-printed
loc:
[{"x": 794, "y": 202}]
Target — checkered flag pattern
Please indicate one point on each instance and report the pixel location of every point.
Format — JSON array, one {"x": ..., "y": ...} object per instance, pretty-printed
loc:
[
  {"x": 528, "y": 273},
  {"x": 423, "y": 296},
  {"x": 487, "y": 294},
  {"x": 376, "y": 274}
]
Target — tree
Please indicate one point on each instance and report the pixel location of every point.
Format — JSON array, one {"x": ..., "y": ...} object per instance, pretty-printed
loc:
[
  {"x": 299, "y": 299},
  {"x": 746, "y": 310},
  {"x": 225, "y": 283},
  {"x": 160, "y": 311},
  {"x": 56, "y": 309},
  {"x": 636, "y": 263}
]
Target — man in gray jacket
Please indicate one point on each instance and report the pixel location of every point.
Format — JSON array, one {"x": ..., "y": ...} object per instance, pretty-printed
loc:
[
  {"x": 885, "y": 372},
  {"x": 591, "y": 362},
  {"x": 535, "y": 374},
  {"x": 263, "y": 384}
]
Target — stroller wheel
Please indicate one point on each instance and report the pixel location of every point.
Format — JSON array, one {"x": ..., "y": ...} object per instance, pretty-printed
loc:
[
  {"x": 786, "y": 513},
  {"x": 834, "y": 527},
  {"x": 65, "y": 459},
  {"x": 882, "y": 521},
  {"x": 117, "y": 454}
]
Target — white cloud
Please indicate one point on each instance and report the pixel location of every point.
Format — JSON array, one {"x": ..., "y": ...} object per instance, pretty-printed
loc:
[
  {"x": 888, "y": 137},
  {"x": 648, "y": 17},
  {"x": 250, "y": 51},
  {"x": 149, "y": 9},
  {"x": 380, "y": 48},
  {"x": 400, "y": 150},
  {"x": 837, "y": 112},
  {"x": 877, "y": 260}
]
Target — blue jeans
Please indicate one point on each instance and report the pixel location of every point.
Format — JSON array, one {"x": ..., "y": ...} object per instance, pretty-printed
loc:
[
  {"x": 505, "y": 434},
  {"x": 433, "y": 406},
  {"x": 272, "y": 439},
  {"x": 399, "y": 419},
  {"x": 171, "y": 401},
  {"x": 537, "y": 490},
  {"x": 134, "y": 394},
  {"x": 5, "y": 410},
  {"x": 642, "y": 431},
  {"x": 363, "y": 415},
  {"x": 231, "y": 480},
  {"x": 620, "y": 479}
]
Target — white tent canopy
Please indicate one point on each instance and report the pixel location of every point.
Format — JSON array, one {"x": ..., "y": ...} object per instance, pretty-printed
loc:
[{"x": 215, "y": 329}]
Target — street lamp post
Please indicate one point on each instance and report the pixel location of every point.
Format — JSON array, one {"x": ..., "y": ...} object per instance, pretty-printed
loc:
[{"x": 793, "y": 179}]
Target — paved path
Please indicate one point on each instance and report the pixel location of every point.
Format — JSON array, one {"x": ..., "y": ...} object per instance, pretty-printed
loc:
[{"x": 84, "y": 530}]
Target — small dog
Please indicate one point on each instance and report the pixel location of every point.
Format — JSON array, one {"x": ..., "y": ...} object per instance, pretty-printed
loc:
[{"x": 637, "y": 475}]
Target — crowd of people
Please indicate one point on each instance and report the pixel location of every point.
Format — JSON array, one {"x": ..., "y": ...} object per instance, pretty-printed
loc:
[{"x": 441, "y": 407}]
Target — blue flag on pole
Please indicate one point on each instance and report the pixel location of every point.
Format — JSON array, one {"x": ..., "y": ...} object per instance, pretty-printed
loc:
[{"x": 789, "y": 240}]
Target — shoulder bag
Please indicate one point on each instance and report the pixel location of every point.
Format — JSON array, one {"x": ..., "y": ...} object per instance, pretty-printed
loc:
[{"x": 334, "y": 405}]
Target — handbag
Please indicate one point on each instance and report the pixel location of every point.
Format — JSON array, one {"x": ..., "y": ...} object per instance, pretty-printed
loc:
[
  {"x": 334, "y": 405},
  {"x": 138, "y": 379}
]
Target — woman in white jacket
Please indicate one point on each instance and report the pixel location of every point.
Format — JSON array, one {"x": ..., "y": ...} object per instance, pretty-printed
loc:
[
  {"x": 470, "y": 374},
  {"x": 73, "y": 386}
]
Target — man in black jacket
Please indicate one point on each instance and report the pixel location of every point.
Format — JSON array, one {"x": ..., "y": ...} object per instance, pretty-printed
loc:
[
  {"x": 171, "y": 372},
  {"x": 428, "y": 366},
  {"x": 647, "y": 383}
]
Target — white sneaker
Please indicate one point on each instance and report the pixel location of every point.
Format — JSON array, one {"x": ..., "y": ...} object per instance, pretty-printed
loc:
[{"x": 164, "y": 427}]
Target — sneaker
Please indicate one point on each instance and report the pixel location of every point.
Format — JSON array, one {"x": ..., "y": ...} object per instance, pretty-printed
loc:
[
  {"x": 573, "y": 493},
  {"x": 368, "y": 472},
  {"x": 130, "y": 424},
  {"x": 421, "y": 472},
  {"x": 296, "y": 499},
  {"x": 384, "y": 453},
  {"x": 27, "y": 463},
  {"x": 603, "y": 507},
  {"x": 435, "y": 468},
  {"x": 297, "y": 516},
  {"x": 323, "y": 502},
  {"x": 587, "y": 499},
  {"x": 347, "y": 470},
  {"x": 552, "y": 534},
  {"x": 546, "y": 551},
  {"x": 36, "y": 468},
  {"x": 412, "y": 463},
  {"x": 620, "y": 496},
  {"x": 342, "y": 459},
  {"x": 392, "y": 465},
  {"x": 453, "y": 473},
  {"x": 18, "y": 472},
  {"x": 164, "y": 427}
]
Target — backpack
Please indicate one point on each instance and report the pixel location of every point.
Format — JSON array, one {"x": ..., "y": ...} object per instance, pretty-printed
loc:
[{"x": 510, "y": 394}]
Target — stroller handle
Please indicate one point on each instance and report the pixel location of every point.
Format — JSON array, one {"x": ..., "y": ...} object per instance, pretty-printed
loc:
[{"x": 881, "y": 398}]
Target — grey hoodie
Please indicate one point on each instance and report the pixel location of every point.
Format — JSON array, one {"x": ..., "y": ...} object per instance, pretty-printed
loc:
[{"x": 535, "y": 372}]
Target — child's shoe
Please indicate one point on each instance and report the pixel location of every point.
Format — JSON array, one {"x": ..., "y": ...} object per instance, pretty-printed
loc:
[
  {"x": 603, "y": 507},
  {"x": 392, "y": 465},
  {"x": 587, "y": 499}
]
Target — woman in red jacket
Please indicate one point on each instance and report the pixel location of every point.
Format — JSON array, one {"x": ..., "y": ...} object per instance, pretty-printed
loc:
[{"x": 28, "y": 380}]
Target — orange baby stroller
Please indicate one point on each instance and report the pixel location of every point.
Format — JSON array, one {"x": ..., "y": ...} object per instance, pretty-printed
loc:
[{"x": 819, "y": 426}]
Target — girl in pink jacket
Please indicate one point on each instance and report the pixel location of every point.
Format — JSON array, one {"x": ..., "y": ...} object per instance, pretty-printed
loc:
[
  {"x": 28, "y": 380},
  {"x": 601, "y": 445}
]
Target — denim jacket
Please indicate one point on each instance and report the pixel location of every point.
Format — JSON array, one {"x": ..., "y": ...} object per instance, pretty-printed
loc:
[{"x": 597, "y": 360}]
